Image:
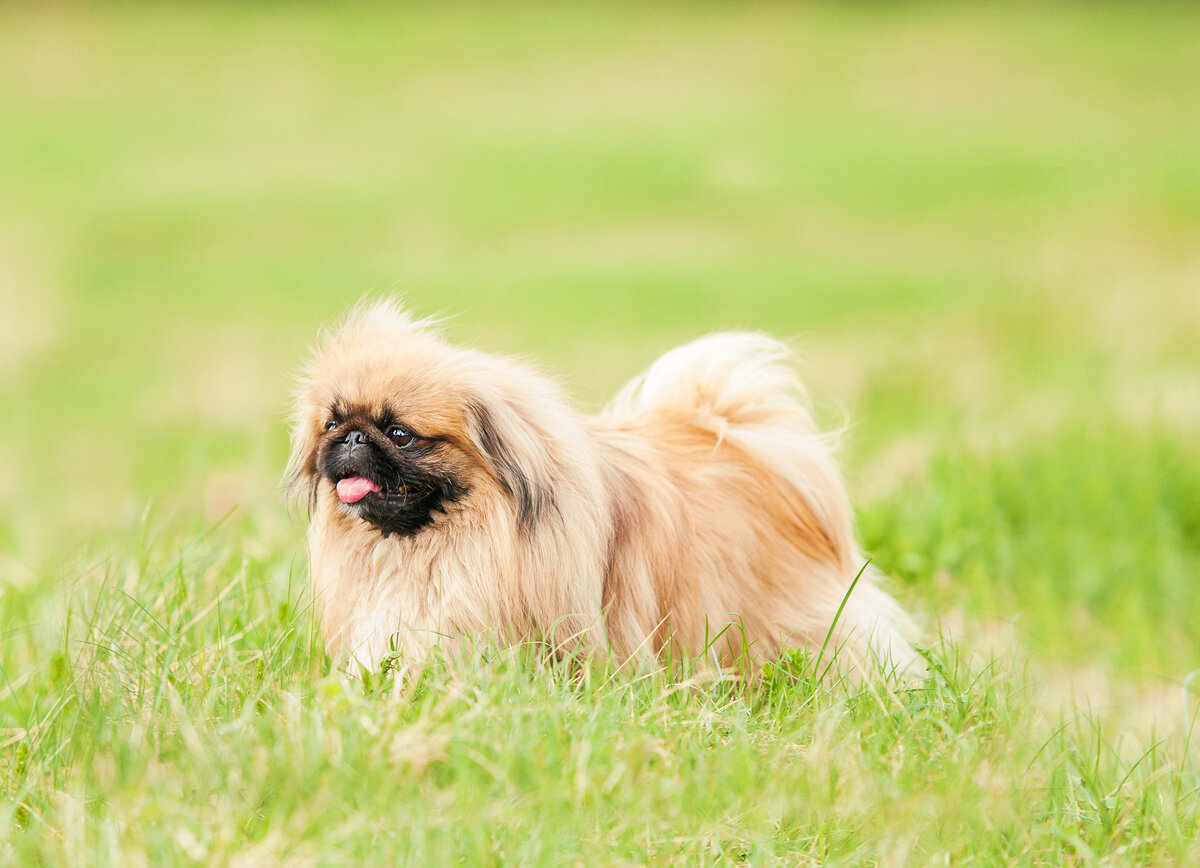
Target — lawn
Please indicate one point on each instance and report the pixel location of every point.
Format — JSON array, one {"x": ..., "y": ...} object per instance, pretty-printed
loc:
[{"x": 981, "y": 227}]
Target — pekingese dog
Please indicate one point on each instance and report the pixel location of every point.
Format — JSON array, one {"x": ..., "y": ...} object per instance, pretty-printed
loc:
[{"x": 458, "y": 495}]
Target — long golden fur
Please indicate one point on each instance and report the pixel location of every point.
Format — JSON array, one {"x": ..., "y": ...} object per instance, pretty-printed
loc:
[{"x": 704, "y": 496}]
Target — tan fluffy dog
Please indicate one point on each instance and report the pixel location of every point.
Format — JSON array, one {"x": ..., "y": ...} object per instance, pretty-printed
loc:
[{"x": 455, "y": 494}]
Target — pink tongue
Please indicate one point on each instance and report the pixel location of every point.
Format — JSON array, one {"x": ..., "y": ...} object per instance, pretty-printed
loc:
[{"x": 355, "y": 488}]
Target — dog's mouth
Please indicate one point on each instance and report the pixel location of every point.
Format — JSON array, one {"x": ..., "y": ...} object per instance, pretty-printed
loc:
[
  {"x": 399, "y": 499},
  {"x": 352, "y": 486},
  {"x": 352, "y": 489},
  {"x": 356, "y": 485}
]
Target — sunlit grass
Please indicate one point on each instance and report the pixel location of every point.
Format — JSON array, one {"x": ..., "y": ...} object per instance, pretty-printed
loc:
[{"x": 191, "y": 716}]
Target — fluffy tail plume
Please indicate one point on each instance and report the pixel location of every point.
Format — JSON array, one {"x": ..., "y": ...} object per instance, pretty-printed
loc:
[{"x": 744, "y": 388}]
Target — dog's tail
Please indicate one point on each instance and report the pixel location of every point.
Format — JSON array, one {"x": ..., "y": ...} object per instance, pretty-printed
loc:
[
  {"x": 725, "y": 374},
  {"x": 743, "y": 387}
]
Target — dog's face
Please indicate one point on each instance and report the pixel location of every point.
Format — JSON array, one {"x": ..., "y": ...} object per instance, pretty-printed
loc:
[
  {"x": 395, "y": 428},
  {"x": 385, "y": 472}
]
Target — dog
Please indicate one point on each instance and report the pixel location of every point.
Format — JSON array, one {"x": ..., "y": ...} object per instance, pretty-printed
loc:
[{"x": 457, "y": 496}]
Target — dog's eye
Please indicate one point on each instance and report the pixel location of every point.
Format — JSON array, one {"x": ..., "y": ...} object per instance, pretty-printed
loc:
[
  {"x": 401, "y": 436},
  {"x": 331, "y": 424}
]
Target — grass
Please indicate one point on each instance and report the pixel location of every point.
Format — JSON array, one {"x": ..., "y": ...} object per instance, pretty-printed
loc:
[
  {"x": 979, "y": 225},
  {"x": 188, "y": 714}
]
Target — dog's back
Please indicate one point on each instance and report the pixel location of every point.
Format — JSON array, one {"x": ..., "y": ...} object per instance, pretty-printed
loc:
[{"x": 749, "y": 524}]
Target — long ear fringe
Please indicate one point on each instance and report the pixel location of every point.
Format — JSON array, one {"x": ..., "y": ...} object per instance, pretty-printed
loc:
[
  {"x": 494, "y": 431},
  {"x": 299, "y": 492}
]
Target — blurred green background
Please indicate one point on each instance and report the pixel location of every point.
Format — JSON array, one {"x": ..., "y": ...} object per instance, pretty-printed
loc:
[{"x": 981, "y": 224}]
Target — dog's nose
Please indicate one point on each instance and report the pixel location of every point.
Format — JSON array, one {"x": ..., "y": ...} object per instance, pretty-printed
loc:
[{"x": 355, "y": 438}]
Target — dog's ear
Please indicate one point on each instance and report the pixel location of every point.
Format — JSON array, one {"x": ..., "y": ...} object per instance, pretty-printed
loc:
[
  {"x": 300, "y": 476},
  {"x": 515, "y": 455}
]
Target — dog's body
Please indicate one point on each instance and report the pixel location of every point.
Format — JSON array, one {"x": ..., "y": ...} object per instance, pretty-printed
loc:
[{"x": 703, "y": 497}]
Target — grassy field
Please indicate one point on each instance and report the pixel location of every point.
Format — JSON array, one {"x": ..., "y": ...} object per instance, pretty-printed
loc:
[{"x": 982, "y": 226}]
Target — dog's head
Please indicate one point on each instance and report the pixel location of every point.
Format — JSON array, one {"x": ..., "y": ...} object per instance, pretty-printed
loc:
[{"x": 395, "y": 428}]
